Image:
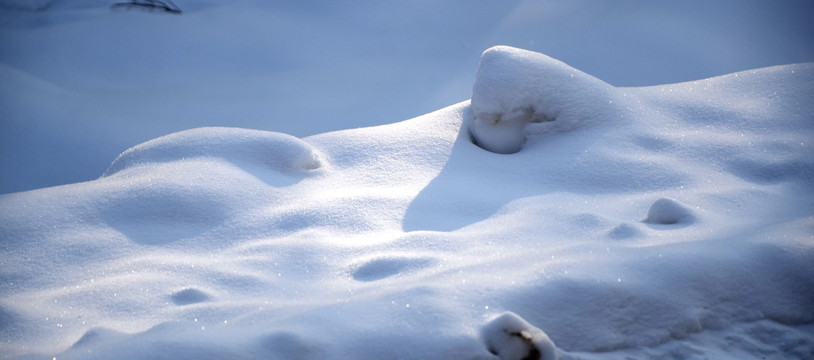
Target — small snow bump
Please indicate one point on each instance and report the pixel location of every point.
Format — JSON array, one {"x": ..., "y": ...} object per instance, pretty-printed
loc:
[
  {"x": 511, "y": 338},
  {"x": 668, "y": 212}
]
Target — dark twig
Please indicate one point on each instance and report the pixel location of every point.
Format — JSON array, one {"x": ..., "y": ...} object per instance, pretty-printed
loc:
[{"x": 166, "y": 5}]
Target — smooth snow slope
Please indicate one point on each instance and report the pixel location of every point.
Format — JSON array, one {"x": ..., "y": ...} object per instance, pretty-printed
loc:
[{"x": 671, "y": 221}]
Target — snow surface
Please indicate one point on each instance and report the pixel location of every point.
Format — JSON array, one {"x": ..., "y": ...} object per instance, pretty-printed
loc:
[
  {"x": 81, "y": 82},
  {"x": 668, "y": 222}
]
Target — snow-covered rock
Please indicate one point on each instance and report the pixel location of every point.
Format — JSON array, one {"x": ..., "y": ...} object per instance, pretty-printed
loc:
[
  {"x": 519, "y": 93},
  {"x": 512, "y": 338}
]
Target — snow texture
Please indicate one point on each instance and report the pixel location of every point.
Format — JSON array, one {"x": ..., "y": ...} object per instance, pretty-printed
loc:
[{"x": 661, "y": 222}]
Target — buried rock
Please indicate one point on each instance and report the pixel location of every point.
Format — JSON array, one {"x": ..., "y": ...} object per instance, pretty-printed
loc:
[{"x": 512, "y": 338}]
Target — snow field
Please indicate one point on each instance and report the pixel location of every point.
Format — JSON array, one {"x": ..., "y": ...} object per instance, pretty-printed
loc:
[{"x": 672, "y": 221}]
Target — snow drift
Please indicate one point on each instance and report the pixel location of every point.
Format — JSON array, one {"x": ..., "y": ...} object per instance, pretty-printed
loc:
[{"x": 671, "y": 221}]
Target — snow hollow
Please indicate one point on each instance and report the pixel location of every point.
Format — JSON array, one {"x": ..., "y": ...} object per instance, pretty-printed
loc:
[{"x": 552, "y": 216}]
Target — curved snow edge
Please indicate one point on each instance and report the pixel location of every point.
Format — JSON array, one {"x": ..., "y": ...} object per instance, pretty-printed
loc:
[{"x": 277, "y": 151}]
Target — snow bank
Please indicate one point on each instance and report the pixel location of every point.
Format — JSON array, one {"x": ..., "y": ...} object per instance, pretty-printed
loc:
[{"x": 674, "y": 222}]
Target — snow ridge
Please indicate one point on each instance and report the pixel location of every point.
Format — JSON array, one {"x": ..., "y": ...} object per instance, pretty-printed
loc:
[{"x": 275, "y": 150}]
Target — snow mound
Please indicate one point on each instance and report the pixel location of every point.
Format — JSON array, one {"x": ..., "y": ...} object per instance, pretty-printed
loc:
[
  {"x": 277, "y": 151},
  {"x": 668, "y": 212},
  {"x": 518, "y": 93},
  {"x": 512, "y": 338}
]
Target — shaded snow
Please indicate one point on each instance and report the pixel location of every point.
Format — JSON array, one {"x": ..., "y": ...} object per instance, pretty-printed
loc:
[{"x": 675, "y": 222}]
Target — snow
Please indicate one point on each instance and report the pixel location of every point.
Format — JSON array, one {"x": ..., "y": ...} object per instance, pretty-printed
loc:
[
  {"x": 516, "y": 89},
  {"x": 512, "y": 338},
  {"x": 556, "y": 214},
  {"x": 81, "y": 82},
  {"x": 671, "y": 221},
  {"x": 668, "y": 212}
]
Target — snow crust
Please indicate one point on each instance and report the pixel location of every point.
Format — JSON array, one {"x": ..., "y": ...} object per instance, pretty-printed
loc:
[{"x": 663, "y": 222}]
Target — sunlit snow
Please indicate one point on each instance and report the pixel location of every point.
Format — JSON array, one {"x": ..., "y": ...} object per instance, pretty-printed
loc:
[{"x": 553, "y": 215}]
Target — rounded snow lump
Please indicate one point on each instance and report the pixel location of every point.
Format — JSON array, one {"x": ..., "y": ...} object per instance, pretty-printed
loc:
[
  {"x": 512, "y": 338},
  {"x": 278, "y": 151},
  {"x": 668, "y": 212},
  {"x": 515, "y": 89}
]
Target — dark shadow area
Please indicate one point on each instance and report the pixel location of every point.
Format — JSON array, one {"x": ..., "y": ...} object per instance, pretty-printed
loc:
[
  {"x": 378, "y": 269},
  {"x": 188, "y": 297}
]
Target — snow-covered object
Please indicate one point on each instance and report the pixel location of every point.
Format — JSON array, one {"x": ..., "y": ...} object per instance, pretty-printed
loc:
[
  {"x": 512, "y": 338},
  {"x": 518, "y": 93},
  {"x": 222, "y": 243}
]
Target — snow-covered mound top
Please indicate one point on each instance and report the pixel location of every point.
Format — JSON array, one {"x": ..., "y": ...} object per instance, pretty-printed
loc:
[
  {"x": 673, "y": 221},
  {"x": 518, "y": 91},
  {"x": 276, "y": 151}
]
